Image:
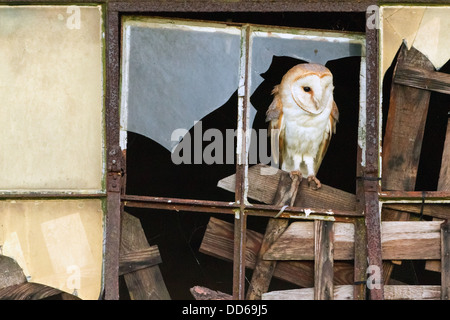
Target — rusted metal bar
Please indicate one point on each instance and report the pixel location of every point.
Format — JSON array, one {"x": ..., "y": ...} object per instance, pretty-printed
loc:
[
  {"x": 114, "y": 156},
  {"x": 238, "y": 6},
  {"x": 370, "y": 183},
  {"x": 262, "y": 210},
  {"x": 240, "y": 221}
]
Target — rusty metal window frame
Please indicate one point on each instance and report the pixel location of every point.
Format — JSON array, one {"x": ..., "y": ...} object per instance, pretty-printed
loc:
[{"x": 240, "y": 208}]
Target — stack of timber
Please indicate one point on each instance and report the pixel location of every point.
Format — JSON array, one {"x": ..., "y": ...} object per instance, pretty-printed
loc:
[
  {"x": 324, "y": 258},
  {"x": 139, "y": 263},
  {"x": 14, "y": 285}
]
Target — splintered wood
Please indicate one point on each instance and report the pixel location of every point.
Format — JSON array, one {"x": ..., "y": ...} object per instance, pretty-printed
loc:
[
  {"x": 408, "y": 109},
  {"x": 345, "y": 292},
  {"x": 263, "y": 186},
  {"x": 285, "y": 196},
  {"x": 218, "y": 242},
  {"x": 323, "y": 260},
  {"x": 139, "y": 263}
]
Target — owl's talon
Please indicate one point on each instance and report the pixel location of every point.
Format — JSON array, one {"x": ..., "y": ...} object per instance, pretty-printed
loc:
[
  {"x": 316, "y": 181},
  {"x": 295, "y": 173}
]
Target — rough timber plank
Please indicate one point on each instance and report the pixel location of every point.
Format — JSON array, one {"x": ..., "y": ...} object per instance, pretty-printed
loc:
[
  {"x": 133, "y": 261},
  {"x": 444, "y": 175},
  {"x": 202, "y": 293},
  {"x": 345, "y": 292},
  {"x": 443, "y": 185},
  {"x": 297, "y": 242},
  {"x": 263, "y": 186},
  {"x": 323, "y": 262},
  {"x": 262, "y": 275},
  {"x": 445, "y": 262},
  {"x": 424, "y": 79},
  {"x": 34, "y": 291},
  {"x": 405, "y": 126},
  {"x": 218, "y": 242},
  {"x": 147, "y": 283},
  {"x": 399, "y": 239}
]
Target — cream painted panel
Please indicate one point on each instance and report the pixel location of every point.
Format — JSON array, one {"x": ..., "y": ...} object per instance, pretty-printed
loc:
[
  {"x": 56, "y": 242},
  {"x": 425, "y": 28},
  {"x": 51, "y": 93}
]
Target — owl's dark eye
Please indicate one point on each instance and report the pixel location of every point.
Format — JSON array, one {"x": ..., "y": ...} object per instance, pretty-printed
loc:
[{"x": 306, "y": 89}]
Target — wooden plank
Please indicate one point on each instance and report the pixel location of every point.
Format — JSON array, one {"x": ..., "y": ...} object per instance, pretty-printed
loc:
[
  {"x": 445, "y": 261},
  {"x": 360, "y": 259},
  {"x": 218, "y": 242},
  {"x": 264, "y": 269},
  {"x": 262, "y": 275},
  {"x": 323, "y": 262},
  {"x": 202, "y": 293},
  {"x": 443, "y": 185},
  {"x": 133, "y": 261},
  {"x": 388, "y": 214},
  {"x": 345, "y": 292},
  {"x": 444, "y": 174},
  {"x": 405, "y": 126},
  {"x": 399, "y": 240},
  {"x": 434, "y": 210},
  {"x": 143, "y": 284},
  {"x": 297, "y": 242},
  {"x": 410, "y": 240},
  {"x": 423, "y": 79},
  {"x": 33, "y": 291},
  {"x": 263, "y": 185}
]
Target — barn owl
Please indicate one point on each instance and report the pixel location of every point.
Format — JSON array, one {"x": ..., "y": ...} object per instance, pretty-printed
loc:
[{"x": 302, "y": 116}]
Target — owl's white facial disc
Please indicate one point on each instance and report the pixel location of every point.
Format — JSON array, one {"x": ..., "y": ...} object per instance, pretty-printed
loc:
[{"x": 312, "y": 92}]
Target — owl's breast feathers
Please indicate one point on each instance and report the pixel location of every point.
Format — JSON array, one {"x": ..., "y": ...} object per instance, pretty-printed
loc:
[{"x": 280, "y": 140}]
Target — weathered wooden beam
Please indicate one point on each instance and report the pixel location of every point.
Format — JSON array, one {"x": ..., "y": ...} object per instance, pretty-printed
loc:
[
  {"x": 137, "y": 260},
  {"x": 445, "y": 261},
  {"x": 202, "y": 293},
  {"x": 297, "y": 242},
  {"x": 443, "y": 185},
  {"x": 218, "y": 242},
  {"x": 324, "y": 261},
  {"x": 405, "y": 126},
  {"x": 345, "y": 292},
  {"x": 146, "y": 283},
  {"x": 434, "y": 210},
  {"x": 262, "y": 275},
  {"x": 444, "y": 174},
  {"x": 33, "y": 291},
  {"x": 423, "y": 79},
  {"x": 263, "y": 185},
  {"x": 399, "y": 240}
]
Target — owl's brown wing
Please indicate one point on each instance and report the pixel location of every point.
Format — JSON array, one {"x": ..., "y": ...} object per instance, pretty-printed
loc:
[
  {"x": 274, "y": 116},
  {"x": 330, "y": 129}
]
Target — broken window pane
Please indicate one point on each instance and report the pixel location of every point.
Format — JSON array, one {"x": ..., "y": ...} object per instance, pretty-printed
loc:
[
  {"x": 274, "y": 52},
  {"x": 177, "y": 74},
  {"x": 51, "y": 93},
  {"x": 174, "y": 75}
]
